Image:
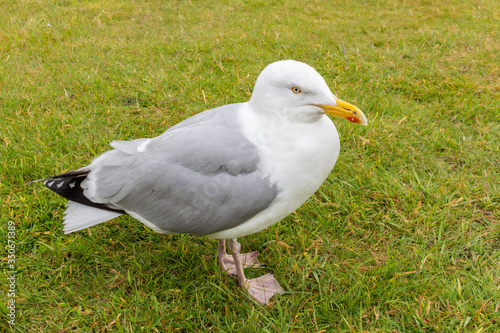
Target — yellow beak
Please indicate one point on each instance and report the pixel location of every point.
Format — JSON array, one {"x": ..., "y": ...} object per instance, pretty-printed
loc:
[{"x": 346, "y": 111}]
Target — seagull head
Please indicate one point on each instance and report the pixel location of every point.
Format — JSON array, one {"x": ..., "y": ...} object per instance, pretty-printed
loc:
[{"x": 297, "y": 92}]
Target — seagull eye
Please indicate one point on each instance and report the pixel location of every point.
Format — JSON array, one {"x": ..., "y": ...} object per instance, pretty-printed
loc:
[{"x": 296, "y": 90}]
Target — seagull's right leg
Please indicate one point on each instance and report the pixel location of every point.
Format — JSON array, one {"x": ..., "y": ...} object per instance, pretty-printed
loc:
[
  {"x": 262, "y": 288},
  {"x": 226, "y": 261}
]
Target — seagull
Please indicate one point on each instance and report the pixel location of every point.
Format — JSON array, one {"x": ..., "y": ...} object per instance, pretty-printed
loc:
[{"x": 224, "y": 173}]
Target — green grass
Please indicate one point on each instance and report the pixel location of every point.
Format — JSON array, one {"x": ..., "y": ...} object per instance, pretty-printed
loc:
[{"x": 404, "y": 236}]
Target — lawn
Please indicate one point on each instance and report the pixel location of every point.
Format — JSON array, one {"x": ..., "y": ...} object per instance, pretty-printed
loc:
[{"x": 404, "y": 236}]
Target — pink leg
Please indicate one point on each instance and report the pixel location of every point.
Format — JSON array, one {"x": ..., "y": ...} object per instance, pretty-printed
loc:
[
  {"x": 226, "y": 261},
  {"x": 262, "y": 288}
]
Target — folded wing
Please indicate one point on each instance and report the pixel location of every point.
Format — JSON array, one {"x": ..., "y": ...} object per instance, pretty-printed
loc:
[{"x": 198, "y": 177}]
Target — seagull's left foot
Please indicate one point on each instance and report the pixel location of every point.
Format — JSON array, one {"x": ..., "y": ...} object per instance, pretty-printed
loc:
[
  {"x": 226, "y": 261},
  {"x": 263, "y": 288}
]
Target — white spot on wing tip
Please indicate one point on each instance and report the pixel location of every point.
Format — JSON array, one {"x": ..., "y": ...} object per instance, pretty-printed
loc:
[{"x": 142, "y": 146}]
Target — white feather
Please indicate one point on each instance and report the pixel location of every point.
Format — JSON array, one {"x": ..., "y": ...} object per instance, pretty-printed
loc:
[{"x": 78, "y": 216}]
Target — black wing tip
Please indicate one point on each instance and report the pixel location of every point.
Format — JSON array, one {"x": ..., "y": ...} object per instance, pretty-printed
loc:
[{"x": 68, "y": 186}]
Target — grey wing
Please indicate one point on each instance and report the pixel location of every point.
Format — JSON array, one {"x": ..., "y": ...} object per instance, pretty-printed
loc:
[{"x": 199, "y": 177}]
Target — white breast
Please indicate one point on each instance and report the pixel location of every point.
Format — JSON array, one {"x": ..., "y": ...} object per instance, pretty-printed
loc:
[{"x": 296, "y": 156}]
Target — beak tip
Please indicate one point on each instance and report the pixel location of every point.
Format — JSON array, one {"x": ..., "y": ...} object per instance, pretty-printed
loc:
[{"x": 364, "y": 121}]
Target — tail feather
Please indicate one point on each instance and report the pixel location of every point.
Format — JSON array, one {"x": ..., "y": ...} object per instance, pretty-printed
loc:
[{"x": 78, "y": 216}]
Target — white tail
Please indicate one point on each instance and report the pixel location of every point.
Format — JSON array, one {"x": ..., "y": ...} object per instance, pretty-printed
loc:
[{"x": 78, "y": 216}]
